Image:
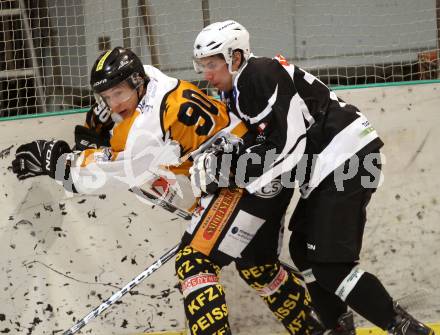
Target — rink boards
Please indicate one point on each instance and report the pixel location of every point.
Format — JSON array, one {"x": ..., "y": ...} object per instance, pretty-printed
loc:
[
  {"x": 359, "y": 331},
  {"x": 62, "y": 255}
]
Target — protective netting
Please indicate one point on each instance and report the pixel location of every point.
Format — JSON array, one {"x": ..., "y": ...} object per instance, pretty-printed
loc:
[{"x": 47, "y": 47}]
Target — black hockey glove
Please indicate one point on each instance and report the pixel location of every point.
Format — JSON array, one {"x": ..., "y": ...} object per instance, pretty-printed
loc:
[
  {"x": 97, "y": 131},
  {"x": 38, "y": 158},
  {"x": 86, "y": 138},
  {"x": 212, "y": 168}
]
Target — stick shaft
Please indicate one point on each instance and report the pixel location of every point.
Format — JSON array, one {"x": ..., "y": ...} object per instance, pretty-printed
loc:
[
  {"x": 119, "y": 294},
  {"x": 155, "y": 200},
  {"x": 159, "y": 201}
]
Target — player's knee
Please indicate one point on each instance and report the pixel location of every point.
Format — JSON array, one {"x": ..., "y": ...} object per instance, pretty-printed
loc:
[
  {"x": 332, "y": 275},
  {"x": 259, "y": 276},
  {"x": 300, "y": 260},
  {"x": 190, "y": 262},
  {"x": 297, "y": 250},
  {"x": 267, "y": 279}
]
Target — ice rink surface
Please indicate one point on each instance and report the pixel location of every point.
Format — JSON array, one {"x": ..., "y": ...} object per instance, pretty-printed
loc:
[{"x": 62, "y": 255}]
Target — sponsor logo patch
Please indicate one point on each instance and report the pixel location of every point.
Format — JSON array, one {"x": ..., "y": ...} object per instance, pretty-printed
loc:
[
  {"x": 100, "y": 82},
  {"x": 123, "y": 63},
  {"x": 198, "y": 281},
  {"x": 275, "y": 284},
  {"x": 240, "y": 234},
  {"x": 311, "y": 246},
  {"x": 270, "y": 190},
  {"x": 215, "y": 220}
]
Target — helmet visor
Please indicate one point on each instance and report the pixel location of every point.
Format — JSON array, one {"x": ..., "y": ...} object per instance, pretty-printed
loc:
[
  {"x": 117, "y": 95},
  {"x": 208, "y": 64}
]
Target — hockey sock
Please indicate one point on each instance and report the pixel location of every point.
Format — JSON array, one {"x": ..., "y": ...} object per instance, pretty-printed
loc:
[
  {"x": 206, "y": 311},
  {"x": 370, "y": 299},
  {"x": 328, "y": 306},
  {"x": 283, "y": 293},
  {"x": 204, "y": 298},
  {"x": 360, "y": 290}
]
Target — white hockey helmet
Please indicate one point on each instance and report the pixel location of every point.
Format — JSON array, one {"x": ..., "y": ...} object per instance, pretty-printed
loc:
[{"x": 221, "y": 38}]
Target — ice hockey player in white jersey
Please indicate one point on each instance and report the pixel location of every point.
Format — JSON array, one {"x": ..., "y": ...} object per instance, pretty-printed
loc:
[
  {"x": 162, "y": 123},
  {"x": 331, "y": 149}
]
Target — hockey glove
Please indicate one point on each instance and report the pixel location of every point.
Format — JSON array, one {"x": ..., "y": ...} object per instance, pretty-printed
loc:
[
  {"x": 204, "y": 176},
  {"x": 228, "y": 144},
  {"x": 211, "y": 169},
  {"x": 86, "y": 138},
  {"x": 38, "y": 158},
  {"x": 96, "y": 133}
]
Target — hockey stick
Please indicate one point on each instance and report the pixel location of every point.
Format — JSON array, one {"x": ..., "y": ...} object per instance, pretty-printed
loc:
[
  {"x": 168, "y": 206},
  {"x": 159, "y": 201},
  {"x": 119, "y": 294},
  {"x": 154, "y": 200}
]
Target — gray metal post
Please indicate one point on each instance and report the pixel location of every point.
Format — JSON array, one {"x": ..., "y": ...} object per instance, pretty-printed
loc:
[
  {"x": 205, "y": 13},
  {"x": 151, "y": 37},
  {"x": 438, "y": 37},
  {"x": 125, "y": 24},
  {"x": 35, "y": 66}
]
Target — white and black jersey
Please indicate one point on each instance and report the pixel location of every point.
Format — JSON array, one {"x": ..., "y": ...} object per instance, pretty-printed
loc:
[{"x": 292, "y": 112}]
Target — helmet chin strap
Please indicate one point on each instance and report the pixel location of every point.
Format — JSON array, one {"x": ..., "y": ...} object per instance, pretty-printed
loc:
[{"x": 230, "y": 69}]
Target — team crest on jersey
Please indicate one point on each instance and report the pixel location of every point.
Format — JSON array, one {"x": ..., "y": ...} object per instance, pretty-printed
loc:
[
  {"x": 146, "y": 103},
  {"x": 270, "y": 190},
  {"x": 261, "y": 138}
]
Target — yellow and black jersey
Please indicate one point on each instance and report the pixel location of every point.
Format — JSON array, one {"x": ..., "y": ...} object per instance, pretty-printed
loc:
[
  {"x": 173, "y": 121},
  {"x": 190, "y": 117}
]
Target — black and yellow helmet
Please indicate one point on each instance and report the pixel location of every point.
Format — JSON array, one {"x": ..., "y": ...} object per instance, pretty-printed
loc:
[{"x": 113, "y": 67}]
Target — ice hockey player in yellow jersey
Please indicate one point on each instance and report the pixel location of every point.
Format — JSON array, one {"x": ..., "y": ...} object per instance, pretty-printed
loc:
[{"x": 163, "y": 123}]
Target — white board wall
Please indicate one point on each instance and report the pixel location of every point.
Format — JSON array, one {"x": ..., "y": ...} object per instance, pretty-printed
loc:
[{"x": 61, "y": 255}]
